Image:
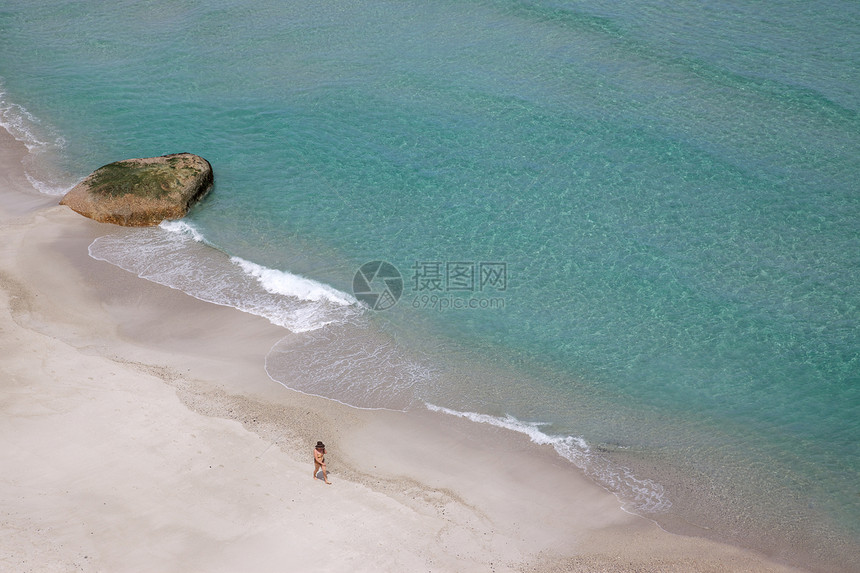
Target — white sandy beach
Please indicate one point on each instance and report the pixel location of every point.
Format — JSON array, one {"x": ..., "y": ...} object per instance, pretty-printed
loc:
[{"x": 140, "y": 432}]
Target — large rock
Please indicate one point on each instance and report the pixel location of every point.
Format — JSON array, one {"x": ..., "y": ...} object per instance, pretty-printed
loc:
[{"x": 142, "y": 192}]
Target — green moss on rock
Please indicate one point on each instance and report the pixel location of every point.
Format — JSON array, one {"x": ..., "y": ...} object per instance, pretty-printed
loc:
[{"x": 148, "y": 180}]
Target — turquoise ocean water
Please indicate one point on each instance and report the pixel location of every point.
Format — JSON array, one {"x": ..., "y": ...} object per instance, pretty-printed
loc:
[{"x": 670, "y": 188}]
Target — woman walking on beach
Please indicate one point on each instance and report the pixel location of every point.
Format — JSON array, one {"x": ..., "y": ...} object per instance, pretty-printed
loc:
[{"x": 319, "y": 461}]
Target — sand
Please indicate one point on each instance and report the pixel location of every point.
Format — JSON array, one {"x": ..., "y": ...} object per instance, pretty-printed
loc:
[{"x": 140, "y": 432}]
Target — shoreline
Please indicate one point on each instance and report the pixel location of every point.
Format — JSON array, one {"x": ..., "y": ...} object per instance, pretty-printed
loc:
[{"x": 124, "y": 392}]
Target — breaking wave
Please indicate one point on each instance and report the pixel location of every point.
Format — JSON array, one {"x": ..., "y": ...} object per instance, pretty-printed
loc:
[
  {"x": 176, "y": 254},
  {"x": 638, "y": 495}
]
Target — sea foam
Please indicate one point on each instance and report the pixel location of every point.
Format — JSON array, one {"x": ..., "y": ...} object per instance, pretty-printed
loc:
[
  {"x": 39, "y": 141},
  {"x": 288, "y": 284},
  {"x": 177, "y": 255},
  {"x": 638, "y": 495},
  {"x": 20, "y": 123},
  {"x": 183, "y": 228}
]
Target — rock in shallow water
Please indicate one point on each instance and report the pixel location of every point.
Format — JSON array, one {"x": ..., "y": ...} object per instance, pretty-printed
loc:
[{"x": 142, "y": 192}]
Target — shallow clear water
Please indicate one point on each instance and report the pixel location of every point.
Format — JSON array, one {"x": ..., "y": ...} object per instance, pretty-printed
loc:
[{"x": 670, "y": 187}]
